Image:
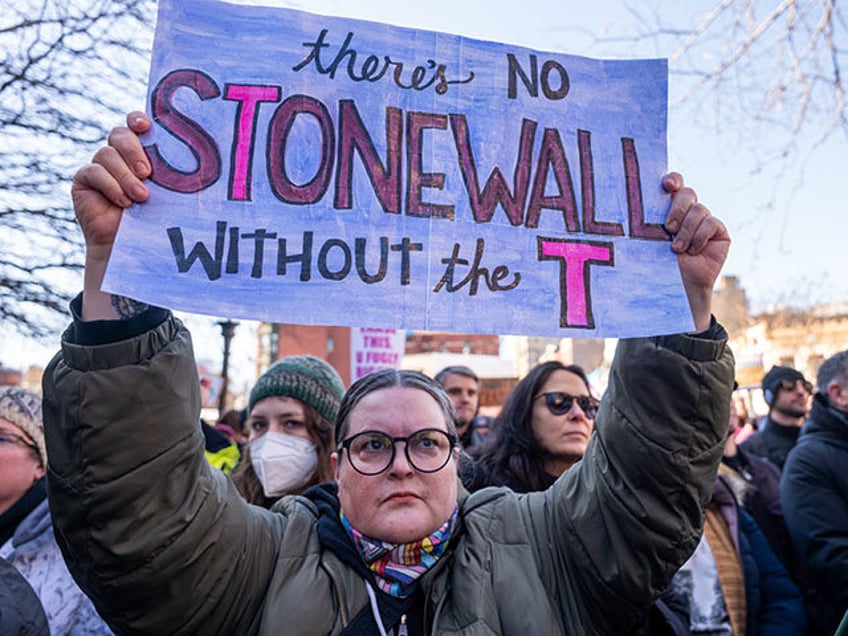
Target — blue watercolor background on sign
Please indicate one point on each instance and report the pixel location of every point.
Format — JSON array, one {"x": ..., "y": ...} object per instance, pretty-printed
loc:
[{"x": 232, "y": 44}]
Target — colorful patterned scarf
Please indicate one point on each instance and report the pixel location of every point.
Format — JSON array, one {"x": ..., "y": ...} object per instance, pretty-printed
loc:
[{"x": 397, "y": 566}]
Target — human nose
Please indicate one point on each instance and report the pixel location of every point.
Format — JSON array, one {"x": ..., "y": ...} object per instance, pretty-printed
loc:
[
  {"x": 576, "y": 410},
  {"x": 400, "y": 464},
  {"x": 800, "y": 389}
]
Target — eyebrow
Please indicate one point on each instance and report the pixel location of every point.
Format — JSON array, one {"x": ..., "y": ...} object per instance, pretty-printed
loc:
[{"x": 277, "y": 414}]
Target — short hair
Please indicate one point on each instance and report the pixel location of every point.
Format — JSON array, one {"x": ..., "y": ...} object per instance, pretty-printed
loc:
[
  {"x": 385, "y": 379},
  {"x": 834, "y": 369},
  {"x": 457, "y": 369}
]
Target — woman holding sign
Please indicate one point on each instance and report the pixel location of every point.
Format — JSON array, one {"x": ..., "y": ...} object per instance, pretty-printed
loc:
[{"x": 163, "y": 544}]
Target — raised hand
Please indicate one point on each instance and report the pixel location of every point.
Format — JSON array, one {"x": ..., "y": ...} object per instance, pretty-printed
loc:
[
  {"x": 701, "y": 243},
  {"x": 101, "y": 191}
]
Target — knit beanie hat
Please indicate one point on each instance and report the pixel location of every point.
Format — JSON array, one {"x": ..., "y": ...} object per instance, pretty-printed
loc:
[
  {"x": 776, "y": 375},
  {"x": 23, "y": 409},
  {"x": 305, "y": 378}
]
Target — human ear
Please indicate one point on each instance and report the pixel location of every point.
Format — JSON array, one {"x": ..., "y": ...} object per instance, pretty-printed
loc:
[
  {"x": 334, "y": 461},
  {"x": 834, "y": 394}
]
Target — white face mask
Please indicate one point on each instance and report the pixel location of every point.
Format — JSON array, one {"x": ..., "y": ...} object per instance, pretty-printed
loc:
[{"x": 282, "y": 462}]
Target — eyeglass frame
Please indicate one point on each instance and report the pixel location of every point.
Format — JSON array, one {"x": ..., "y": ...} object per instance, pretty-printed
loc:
[
  {"x": 18, "y": 440},
  {"x": 345, "y": 445},
  {"x": 591, "y": 403},
  {"x": 790, "y": 385}
]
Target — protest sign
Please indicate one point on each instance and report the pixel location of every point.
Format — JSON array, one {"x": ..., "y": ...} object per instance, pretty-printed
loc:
[
  {"x": 372, "y": 349},
  {"x": 321, "y": 170}
]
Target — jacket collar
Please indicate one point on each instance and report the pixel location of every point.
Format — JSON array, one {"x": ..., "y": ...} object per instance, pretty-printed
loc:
[
  {"x": 18, "y": 521},
  {"x": 826, "y": 419}
]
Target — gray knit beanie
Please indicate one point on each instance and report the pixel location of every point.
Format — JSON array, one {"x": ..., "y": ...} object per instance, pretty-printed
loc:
[
  {"x": 23, "y": 409},
  {"x": 305, "y": 378}
]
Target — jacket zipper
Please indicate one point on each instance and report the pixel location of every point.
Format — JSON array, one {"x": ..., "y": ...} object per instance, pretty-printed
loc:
[{"x": 402, "y": 630}]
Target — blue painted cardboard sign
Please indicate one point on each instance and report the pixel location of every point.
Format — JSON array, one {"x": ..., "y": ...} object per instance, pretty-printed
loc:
[{"x": 322, "y": 170}]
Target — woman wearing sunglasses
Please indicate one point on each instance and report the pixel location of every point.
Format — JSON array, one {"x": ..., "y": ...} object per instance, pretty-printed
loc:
[{"x": 543, "y": 429}]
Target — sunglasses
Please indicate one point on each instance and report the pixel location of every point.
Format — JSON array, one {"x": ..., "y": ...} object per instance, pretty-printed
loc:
[
  {"x": 560, "y": 403},
  {"x": 789, "y": 385}
]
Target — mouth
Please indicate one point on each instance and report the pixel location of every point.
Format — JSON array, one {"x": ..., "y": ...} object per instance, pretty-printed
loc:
[{"x": 401, "y": 497}]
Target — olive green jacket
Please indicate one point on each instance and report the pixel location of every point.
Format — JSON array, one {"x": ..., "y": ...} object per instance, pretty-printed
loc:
[{"x": 163, "y": 544}]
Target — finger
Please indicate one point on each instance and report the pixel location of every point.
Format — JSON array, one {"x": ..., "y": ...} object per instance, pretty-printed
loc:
[
  {"x": 672, "y": 182},
  {"x": 681, "y": 201},
  {"x": 94, "y": 178},
  {"x": 138, "y": 122},
  {"x": 710, "y": 228},
  {"x": 120, "y": 172},
  {"x": 695, "y": 216},
  {"x": 127, "y": 143}
]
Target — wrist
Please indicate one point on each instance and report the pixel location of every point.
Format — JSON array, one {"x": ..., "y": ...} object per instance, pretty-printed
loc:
[
  {"x": 700, "y": 304},
  {"x": 96, "y": 305}
]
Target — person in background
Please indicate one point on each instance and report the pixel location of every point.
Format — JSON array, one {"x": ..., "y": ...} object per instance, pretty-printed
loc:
[
  {"x": 787, "y": 394},
  {"x": 542, "y": 430},
  {"x": 26, "y": 531},
  {"x": 747, "y": 425},
  {"x": 290, "y": 418},
  {"x": 814, "y": 493},
  {"x": 463, "y": 387},
  {"x": 755, "y": 482},
  {"x": 734, "y": 583},
  {"x": 221, "y": 451},
  {"x": 231, "y": 424},
  {"x": 394, "y": 545}
]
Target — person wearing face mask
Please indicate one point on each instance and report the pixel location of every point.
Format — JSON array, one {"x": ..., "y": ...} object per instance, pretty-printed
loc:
[
  {"x": 290, "y": 414},
  {"x": 542, "y": 430}
]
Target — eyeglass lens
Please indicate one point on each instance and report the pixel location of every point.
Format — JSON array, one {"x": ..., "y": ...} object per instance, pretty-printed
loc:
[
  {"x": 560, "y": 403},
  {"x": 789, "y": 385},
  {"x": 372, "y": 452}
]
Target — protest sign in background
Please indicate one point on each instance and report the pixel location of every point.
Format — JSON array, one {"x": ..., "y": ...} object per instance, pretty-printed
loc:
[
  {"x": 320, "y": 170},
  {"x": 372, "y": 349}
]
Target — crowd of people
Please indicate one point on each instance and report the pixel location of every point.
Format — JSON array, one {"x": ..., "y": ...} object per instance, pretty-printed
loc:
[{"x": 395, "y": 507}]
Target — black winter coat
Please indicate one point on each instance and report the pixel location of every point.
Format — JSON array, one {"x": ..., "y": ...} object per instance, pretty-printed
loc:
[{"x": 814, "y": 494}]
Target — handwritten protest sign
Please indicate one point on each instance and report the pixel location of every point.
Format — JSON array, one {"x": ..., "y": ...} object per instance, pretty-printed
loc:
[
  {"x": 320, "y": 170},
  {"x": 372, "y": 349}
]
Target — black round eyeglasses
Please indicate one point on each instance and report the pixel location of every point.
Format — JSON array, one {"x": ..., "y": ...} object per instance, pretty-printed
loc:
[{"x": 372, "y": 452}]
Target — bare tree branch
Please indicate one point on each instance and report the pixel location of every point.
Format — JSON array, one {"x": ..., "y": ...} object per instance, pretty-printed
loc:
[{"x": 66, "y": 67}]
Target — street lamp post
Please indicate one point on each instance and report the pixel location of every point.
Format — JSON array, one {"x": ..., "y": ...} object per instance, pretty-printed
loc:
[{"x": 228, "y": 329}]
